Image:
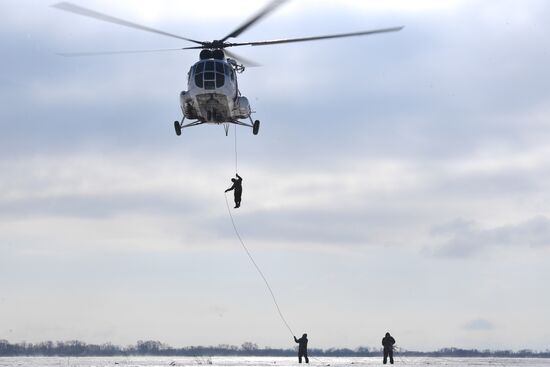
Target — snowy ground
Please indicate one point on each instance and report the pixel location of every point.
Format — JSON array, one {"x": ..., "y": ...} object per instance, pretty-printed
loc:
[{"x": 262, "y": 361}]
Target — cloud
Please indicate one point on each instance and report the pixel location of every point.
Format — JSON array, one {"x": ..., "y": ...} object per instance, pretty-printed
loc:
[
  {"x": 100, "y": 193},
  {"x": 479, "y": 325},
  {"x": 467, "y": 238}
]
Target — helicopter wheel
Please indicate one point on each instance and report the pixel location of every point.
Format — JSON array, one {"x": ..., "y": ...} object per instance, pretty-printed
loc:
[
  {"x": 177, "y": 126},
  {"x": 256, "y": 127}
]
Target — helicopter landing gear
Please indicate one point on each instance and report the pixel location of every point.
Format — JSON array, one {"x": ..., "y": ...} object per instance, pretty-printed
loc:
[
  {"x": 177, "y": 127},
  {"x": 255, "y": 125}
]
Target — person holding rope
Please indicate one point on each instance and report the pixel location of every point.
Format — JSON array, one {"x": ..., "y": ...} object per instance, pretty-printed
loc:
[
  {"x": 388, "y": 341},
  {"x": 238, "y": 189},
  {"x": 302, "y": 348}
]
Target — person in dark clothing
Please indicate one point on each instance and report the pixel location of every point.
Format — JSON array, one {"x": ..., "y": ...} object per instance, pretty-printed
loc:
[
  {"x": 238, "y": 189},
  {"x": 388, "y": 341},
  {"x": 302, "y": 348}
]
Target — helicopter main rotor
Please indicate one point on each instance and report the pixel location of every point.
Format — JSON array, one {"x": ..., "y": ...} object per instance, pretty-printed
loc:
[{"x": 214, "y": 45}]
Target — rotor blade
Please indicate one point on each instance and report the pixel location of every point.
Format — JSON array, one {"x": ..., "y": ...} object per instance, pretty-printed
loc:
[
  {"x": 72, "y": 8},
  {"x": 102, "y": 53},
  {"x": 290, "y": 40},
  {"x": 262, "y": 13},
  {"x": 242, "y": 60}
]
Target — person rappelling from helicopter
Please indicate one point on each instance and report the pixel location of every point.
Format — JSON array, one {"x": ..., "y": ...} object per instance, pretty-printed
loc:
[{"x": 237, "y": 188}]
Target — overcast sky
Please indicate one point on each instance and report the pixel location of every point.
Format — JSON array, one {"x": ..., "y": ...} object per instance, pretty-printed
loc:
[{"x": 399, "y": 182}]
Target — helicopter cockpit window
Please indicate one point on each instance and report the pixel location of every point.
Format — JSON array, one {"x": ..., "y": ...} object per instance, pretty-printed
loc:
[
  {"x": 210, "y": 74},
  {"x": 220, "y": 79},
  {"x": 190, "y": 73},
  {"x": 198, "y": 80}
]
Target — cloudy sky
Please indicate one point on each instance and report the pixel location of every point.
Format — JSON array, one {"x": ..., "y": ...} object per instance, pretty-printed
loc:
[{"x": 399, "y": 182}]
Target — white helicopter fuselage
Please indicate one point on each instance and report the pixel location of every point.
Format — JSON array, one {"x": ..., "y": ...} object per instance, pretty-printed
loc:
[{"x": 213, "y": 95}]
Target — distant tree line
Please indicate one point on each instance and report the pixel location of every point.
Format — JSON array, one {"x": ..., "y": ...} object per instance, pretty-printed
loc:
[{"x": 75, "y": 348}]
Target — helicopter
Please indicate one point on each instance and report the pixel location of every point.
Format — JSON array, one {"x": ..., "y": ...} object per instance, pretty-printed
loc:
[{"x": 212, "y": 95}]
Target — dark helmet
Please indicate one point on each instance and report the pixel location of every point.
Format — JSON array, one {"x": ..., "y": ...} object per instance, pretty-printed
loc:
[
  {"x": 233, "y": 180},
  {"x": 387, "y": 334},
  {"x": 304, "y": 336}
]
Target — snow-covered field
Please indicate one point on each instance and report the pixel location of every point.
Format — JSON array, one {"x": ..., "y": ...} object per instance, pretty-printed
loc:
[{"x": 262, "y": 361}]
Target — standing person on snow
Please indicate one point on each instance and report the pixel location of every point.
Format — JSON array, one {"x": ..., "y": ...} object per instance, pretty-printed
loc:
[
  {"x": 388, "y": 341},
  {"x": 238, "y": 187},
  {"x": 302, "y": 348}
]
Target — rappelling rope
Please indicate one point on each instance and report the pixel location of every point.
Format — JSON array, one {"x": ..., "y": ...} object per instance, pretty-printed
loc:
[
  {"x": 257, "y": 267},
  {"x": 397, "y": 352},
  {"x": 236, "y": 168}
]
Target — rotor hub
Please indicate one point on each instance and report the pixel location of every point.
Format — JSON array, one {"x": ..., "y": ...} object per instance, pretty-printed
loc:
[{"x": 217, "y": 44}]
